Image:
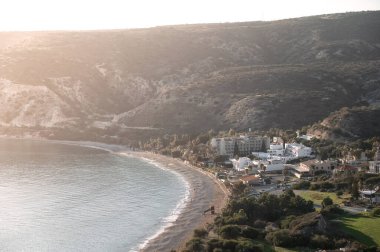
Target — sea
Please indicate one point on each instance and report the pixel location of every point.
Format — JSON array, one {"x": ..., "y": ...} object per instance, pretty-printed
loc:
[{"x": 57, "y": 197}]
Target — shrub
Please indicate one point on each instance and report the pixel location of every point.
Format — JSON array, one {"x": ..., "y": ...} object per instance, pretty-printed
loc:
[
  {"x": 320, "y": 241},
  {"x": 332, "y": 211},
  {"x": 239, "y": 218},
  {"x": 339, "y": 193},
  {"x": 303, "y": 185},
  {"x": 248, "y": 246},
  {"x": 342, "y": 186},
  {"x": 249, "y": 232},
  {"x": 195, "y": 244},
  {"x": 200, "y": 233},
  {"x": 230, "y": 231},
  {"x": 375, "y": 212},
  {"x": 285, "y": 222},
  {"x": 315, "y": 187},
  {"x": 229, "y": 244},
  {"x": 214, "y": 244},
  {"x": 280, "y": 238},
  {"x": 260, "y": 224},
  {"x": 217, "y": 250},
  {"x": 327, "y": 185},
  {"x": 327, "y": 202}
]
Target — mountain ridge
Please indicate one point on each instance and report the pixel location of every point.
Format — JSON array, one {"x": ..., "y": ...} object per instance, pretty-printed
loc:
[{"x": 190, "y": 78}]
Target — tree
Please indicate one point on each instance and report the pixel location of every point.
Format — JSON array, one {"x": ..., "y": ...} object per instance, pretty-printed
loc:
[
  {"x": 327, "y": 202},
  {"x": 236, "y": 149},
  {"x": 355, "y": 190},
  {"x": 238, "y": 189}
]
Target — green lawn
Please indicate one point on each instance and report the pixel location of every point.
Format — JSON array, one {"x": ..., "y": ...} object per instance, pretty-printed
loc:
[
  {"x": 364, "y": 228},
  {"x": 317, "y": 196},
  {"x": 270, "y": 248}
]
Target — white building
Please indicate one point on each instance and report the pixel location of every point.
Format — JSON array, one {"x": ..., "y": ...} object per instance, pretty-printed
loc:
[
  {"x": 241, "y": 164},
  {"x": 269, "y": 165},
  {"x": 374, "y": 166},
  {"x": 276, "y": 150},
  {"x": 298, "y": 150},
  {"x": 305, "y": 137},
  {"x": 245, "y": 144}
]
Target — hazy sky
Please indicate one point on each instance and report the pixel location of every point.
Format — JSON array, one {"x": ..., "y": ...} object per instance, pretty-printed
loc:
[{"x": 114, "y": 14}]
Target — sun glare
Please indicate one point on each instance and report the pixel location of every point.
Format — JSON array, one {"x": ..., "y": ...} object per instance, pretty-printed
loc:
[{"x": 114, "y": 14}]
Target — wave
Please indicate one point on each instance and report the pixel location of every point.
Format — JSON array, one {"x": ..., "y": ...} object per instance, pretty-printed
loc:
[{"x": 167, "y": 221}]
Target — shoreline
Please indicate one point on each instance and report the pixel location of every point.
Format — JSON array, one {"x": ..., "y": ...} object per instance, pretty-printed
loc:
[{"x": 203, "y": 191}]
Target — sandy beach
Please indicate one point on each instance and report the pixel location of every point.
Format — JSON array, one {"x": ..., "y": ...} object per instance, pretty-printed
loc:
[{"x": 205, "y": 191}]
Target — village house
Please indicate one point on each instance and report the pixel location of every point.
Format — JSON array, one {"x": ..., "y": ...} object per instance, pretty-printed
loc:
[
  {"x": 251, "y": 180},
  {"x": 345, "y": 170},
  {"x": 316, "y": 166},
  {"x": 298, "y": 171}
]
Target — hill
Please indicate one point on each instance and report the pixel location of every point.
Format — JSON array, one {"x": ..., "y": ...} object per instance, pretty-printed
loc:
[{"x": 189, "y": 78}]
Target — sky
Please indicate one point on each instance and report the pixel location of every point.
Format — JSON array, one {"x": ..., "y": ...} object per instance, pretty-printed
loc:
[{"x": 29, "y": 15}]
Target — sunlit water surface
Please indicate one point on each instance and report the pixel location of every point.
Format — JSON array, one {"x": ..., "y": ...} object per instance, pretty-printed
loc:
[{"x": 57, "y": 197}]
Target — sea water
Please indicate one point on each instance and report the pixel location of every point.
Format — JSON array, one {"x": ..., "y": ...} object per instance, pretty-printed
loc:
[{"x": 56, "y": 197}]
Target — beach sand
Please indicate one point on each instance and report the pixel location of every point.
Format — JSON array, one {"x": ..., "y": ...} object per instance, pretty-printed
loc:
[{"x": 205, "y": 191}]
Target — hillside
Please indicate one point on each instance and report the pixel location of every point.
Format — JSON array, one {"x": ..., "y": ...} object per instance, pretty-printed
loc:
[
  {"x": 349, "y": 123},
  {"x": 189, "y": 78}
]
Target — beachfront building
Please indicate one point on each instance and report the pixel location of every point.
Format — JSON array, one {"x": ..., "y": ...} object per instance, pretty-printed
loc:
[
  {"x": 317, "y": 166},
  {"x": 243, "y": 145},
  {"x": 374, "y": 166}
]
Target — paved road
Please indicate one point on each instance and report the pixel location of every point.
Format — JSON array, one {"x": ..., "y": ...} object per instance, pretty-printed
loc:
[{"x": 354, "y": 210}]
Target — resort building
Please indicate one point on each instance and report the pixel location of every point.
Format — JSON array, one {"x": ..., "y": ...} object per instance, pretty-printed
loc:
[
  {"x": 243, "y": 145},
  {"x": 374, "y": 166},
  {"x": 276, "y": 149}
]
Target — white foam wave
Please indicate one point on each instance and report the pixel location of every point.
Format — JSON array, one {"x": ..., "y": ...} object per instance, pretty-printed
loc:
[{"x": 167, "y": 221}]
